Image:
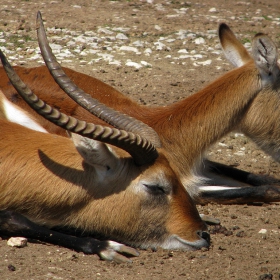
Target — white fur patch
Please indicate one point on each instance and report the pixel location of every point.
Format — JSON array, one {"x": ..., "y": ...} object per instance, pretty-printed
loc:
[
  {"x": 174, "y": 242},
  {"x": 217, "y": 188},
  {"x": 16, "y": 115},
  {"x": 233, "y": 56}
]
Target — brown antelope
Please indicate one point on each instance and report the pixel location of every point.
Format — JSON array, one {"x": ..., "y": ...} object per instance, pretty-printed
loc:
[
  {"x": 188, "y": 127},
  {"x": 126, "y": 192}
]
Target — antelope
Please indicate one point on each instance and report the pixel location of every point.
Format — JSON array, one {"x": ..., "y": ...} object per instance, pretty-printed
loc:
[
  {"x": 107, "y": 182},
  {"x": 235, "y": 101}
]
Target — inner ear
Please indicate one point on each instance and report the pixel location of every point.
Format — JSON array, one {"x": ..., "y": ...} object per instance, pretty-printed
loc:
[
  {"x": 94, "y": 152},
  {"x": 265, "y": 55},
  {"x": 233, "y": 49}
]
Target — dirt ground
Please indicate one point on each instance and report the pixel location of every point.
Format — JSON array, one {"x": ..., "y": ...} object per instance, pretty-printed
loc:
[{"x": 154, "y": 72}]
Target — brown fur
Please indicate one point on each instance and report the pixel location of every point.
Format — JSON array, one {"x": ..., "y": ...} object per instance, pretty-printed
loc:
[{"x": 53, "y": 186}]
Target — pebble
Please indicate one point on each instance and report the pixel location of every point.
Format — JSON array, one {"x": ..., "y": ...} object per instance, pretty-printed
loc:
[
  {"x": 263, "y": 231},
  {"x": 128, "y": 49},
  {"x": 19, "y": 242},
  {"x": 213, "y": 10},
  {"x": 199, "y": 41},
  {"x": 133, "y": 64},
  {"x": 121, "y": 36},
  {"x": 266, "y": 277}
]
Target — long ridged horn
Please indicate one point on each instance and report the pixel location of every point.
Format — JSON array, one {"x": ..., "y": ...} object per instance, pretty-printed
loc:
[
  {"x": 112, "y": 117},
  {"x": 141, "y": 150}
]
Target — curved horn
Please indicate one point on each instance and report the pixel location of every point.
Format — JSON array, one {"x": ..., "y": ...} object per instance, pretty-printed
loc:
[
  {"x": 142, "y": 150},
  {"x": 114, "y": 118}
]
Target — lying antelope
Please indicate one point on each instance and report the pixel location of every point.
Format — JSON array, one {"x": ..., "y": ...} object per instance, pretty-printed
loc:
[
  {"x": 126, "y": 192},
  {"x": 187, "y": 128}
]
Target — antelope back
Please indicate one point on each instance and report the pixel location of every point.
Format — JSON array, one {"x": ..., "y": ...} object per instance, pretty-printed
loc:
[{"x": 39, "y": 80}]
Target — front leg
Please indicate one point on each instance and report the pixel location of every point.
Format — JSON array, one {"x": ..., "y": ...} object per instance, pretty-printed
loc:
[
  {"x": 220, "y": 174},
  {"x": 14, "y": 224},
  {"x": 238, "y": 195}
]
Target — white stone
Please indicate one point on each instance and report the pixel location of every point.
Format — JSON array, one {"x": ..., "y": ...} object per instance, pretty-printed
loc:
[
  {"x": 157, "y": 27},
  {"x": 199, "y": 41},
  {"x": 247, "y": 45},
  {"x": 19, "y": 242},
  {"x": 257, "y": 18},
  {"x": 145, "y": 63},
  {"x": 105, "y": 31},
  {"x": 213, "y": 10},
  {"x": 183, "y": 51},
  {"x": 121, "y": 36},
  {"x": 133, "y": 64},
  {"x": 128, "y": 49},
  {"x": 115, "y": 62},
  {"x": 35, "y": 57},
  {"x": 263, "y": 231},
  {"x": 160, "y": 46},
  {"x": 191, "y": 36},
  {"x": 240, "y": 153},
  {"x": 148, "y": 51},
  {"x": 222, "y": 144},
  {"x": 138, "y": 43},
  {"x": 106, "y": 56},
  {"x": 55, "y": 47},
  {"x": 183, "y": 56},
  {"x": 197, "y": 56},
  {"x": 170, "y": 40},
  {"x": 206, "y": 62}
]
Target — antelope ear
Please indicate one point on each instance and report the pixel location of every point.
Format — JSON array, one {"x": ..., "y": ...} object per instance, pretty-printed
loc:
[
  {"x": 94, "y": 152},
  {"x": 265, "y": 56},
  {"x": 233, "y": 49}
]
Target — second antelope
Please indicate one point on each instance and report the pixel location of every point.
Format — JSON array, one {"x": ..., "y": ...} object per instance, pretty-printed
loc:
[{"x": 236, "y": 101}]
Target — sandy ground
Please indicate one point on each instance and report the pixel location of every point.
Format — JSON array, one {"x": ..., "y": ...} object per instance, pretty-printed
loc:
[{"x": 154, "y": 74}]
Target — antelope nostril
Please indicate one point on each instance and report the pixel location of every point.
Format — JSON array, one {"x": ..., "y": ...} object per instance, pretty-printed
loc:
[{"x": 204, "y": 235}]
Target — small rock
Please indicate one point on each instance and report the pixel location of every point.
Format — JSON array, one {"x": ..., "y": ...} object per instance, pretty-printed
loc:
[
  {"x": 263, "y": 231},
  {"x": 145, "y": 63},
  {"x": 199, "y": 41},
  {"x": 241, "y": 233},
  {"x": 121, "y": 36},
  {"x": 11, "y": 267},
  {"x": 213, "y": 10},
  {"x": 206, "y": 62},
  {"x": 266, "y": 277},
  {"x": 19, "y": 242},
  {"x": 160, "y": 46},
  {"x": 133, "y": 64},
  {"x": 157, "y": 27},
  {"x": 128, "y": 48}
]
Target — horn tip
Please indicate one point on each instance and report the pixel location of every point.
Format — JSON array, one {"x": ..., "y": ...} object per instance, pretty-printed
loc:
[
  {"x": 39, "y": 15},
  {"x": 39, "y": 20}
]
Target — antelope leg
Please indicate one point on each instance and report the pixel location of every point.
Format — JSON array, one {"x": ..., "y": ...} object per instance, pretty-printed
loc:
[{"x": 14, "y": 224}]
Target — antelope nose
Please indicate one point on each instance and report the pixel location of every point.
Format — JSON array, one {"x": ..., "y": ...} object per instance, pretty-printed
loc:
[{"x": 204, "y": 235}]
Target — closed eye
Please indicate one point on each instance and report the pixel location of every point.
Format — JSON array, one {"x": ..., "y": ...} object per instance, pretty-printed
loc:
[{"x": 157, "y": 189}]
